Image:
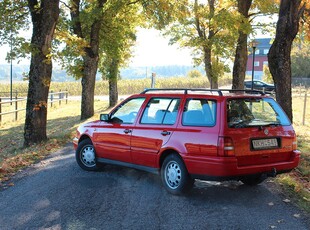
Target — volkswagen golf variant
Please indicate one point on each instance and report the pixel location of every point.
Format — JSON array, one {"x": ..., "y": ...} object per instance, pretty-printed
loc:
[{"x": 188, "y": 134}]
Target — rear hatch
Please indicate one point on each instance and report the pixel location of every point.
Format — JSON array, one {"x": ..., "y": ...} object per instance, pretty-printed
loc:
[{"x": 260, "y": 131}]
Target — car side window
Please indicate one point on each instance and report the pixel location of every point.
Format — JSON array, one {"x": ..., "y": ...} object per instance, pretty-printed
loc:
[
  {"x": 199, "y": 112},
  {"x": 127, "y": 112},
  {"x": 161, "y": 111}
]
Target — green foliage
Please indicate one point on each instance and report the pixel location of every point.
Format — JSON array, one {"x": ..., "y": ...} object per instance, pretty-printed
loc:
[
  {"x": 14, "y": 18},
  {"x": 300, "y": 58},
  {"x": 161, "y": 13},
  {"x": 267, "y": 75},
  {"x": 118, "y": 37},
  {"x": 194, "y": 73},
  {"x": 209, "y": 30},
  {"x": 118, "y": 20},
  {"x": 266, "y": 8}
]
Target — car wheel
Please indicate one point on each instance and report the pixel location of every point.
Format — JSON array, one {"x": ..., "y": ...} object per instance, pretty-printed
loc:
[
  {"x": 86, "y": 155},
  {"x": 253, "y": 180},
  {"x": 174, "y": 175}
]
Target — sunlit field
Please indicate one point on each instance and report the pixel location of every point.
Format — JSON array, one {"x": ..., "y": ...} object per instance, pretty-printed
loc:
[{"x": 125, "y": 87}]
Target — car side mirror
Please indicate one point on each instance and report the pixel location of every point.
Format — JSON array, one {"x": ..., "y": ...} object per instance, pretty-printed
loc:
[{"x": 104, "y": 117}]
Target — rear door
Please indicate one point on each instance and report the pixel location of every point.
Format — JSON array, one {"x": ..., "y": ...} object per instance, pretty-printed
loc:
[
  {"x": 260, "y": 131},
  {"x": 199, "y": 129},
  {"x": 154, "y": 129}
]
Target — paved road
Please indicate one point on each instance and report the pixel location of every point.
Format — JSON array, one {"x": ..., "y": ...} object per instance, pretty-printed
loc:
[{"x": 57, "y": 194}]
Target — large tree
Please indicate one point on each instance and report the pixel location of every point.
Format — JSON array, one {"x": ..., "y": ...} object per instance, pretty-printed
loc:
[
  {"x": 279, "y": 56},
  {"x": 118, "y": 37},
  {"x": 86, "y": 19},
  {"x": 208, "y": 28},
  {"x": 97, "y": 35},
  {"x": 44, "y": 16}
]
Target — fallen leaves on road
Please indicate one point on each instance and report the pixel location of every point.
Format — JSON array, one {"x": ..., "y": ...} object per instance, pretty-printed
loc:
[{"x": 27, "y": 157}]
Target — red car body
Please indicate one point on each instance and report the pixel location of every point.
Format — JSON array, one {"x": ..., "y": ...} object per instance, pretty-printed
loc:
[{"x": 212, "y": 151}]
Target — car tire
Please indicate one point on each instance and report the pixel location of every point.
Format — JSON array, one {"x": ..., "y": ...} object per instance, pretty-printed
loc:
[
  {"x": 253, "y": 180},
  {"x": 174, "y": 175},
  {"x": 86, "y": 155}
]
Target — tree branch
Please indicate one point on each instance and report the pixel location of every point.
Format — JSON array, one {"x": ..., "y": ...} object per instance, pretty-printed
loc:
[{"x": 65, "y": 4}]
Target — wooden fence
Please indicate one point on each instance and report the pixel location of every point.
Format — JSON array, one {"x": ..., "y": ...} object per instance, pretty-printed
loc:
[{"x": 53, "y": 98}]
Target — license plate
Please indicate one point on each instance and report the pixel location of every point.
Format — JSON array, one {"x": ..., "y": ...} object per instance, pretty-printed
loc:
[{"x": 265, "y": 143}]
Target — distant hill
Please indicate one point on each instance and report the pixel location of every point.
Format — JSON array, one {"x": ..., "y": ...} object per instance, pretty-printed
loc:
[{"x": 60, "y": 75}]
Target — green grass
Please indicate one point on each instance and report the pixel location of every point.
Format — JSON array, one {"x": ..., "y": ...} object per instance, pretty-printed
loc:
[{"x": 61, "y": 127}]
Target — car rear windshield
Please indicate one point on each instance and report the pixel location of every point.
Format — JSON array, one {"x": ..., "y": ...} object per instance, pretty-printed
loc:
[{"x": 248, "y": 112}]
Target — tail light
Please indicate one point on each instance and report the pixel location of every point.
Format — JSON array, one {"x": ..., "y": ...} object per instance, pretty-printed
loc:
[{"x": 226, "y": 147}]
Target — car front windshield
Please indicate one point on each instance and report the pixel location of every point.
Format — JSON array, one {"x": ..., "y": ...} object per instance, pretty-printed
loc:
[{"x": 249, "y": 112}]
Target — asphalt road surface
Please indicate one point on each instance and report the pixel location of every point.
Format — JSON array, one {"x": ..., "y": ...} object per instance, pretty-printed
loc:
[{"x": 57, "y": 194}]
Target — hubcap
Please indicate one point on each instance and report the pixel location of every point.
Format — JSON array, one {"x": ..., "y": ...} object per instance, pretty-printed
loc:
[
  {"x": 88, "y": 156},
  {"x": 173, "y": 175}
]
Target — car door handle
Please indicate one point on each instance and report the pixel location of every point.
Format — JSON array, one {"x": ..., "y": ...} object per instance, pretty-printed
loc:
[
  {"x": 165, "y": 133},
  {"x": 127, "y": 131}
]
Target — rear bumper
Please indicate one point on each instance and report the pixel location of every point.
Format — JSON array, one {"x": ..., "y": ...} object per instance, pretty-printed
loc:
[{"x": 227, "y": 167}]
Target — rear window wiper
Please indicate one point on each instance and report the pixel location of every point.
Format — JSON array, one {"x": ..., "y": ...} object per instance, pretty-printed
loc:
[
  {"x": 240, "y": 124},
  {"x": 272, "y": 123}
]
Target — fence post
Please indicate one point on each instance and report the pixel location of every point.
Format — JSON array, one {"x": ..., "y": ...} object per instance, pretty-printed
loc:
[
  {"x": 52, "y": 96},
  {"x": 66, "y": 96},
  {"x": 153, "y": 80},
  {"x": 16, "y": 108},
  {"x": 60, "y": 97},
  {"x": 304, "y": 112}
]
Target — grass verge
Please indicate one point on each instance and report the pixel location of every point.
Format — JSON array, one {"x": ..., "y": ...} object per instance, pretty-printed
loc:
[{"x": 61, "y": 126}]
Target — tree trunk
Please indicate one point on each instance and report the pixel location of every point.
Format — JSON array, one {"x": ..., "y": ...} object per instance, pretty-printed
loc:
[
  {"x": 44, "y": 16},
  {"x": 88, "y": 86},
  {"x": 279, "y": 54},
  {"x": 208, "y": 68},
  {"x": 207, "y": 49},
  {"x": 113, "y": 92},
  {"x": 241, "y": 56},
  {"x": 113, "y": 77},
  {"x": 91, "y": 56}
]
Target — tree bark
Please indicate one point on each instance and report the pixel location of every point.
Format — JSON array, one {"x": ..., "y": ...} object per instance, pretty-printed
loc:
[
  {"x": 279, "y": 54},
  {"x": 44, "y": 19},
  {"x": 208, "y": 68},
  {"x": 113, "y": 78},
  {"x": 241, "y": 55},
  {"x": 88, "y": 82}
]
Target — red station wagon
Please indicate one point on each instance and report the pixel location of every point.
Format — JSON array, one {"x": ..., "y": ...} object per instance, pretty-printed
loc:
[{"x": 188, "y": 134}]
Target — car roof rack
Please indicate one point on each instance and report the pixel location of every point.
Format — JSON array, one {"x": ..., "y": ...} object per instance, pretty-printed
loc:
[
  {"x": 182, "y": 89},
  {"x": 219, "y": 91}
]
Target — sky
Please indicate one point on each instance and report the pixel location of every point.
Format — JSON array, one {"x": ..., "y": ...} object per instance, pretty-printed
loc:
[{"x": 151, "y": 49}]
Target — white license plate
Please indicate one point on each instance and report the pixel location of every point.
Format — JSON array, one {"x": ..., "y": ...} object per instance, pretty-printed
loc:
[{"x": 265, "y": 143}]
